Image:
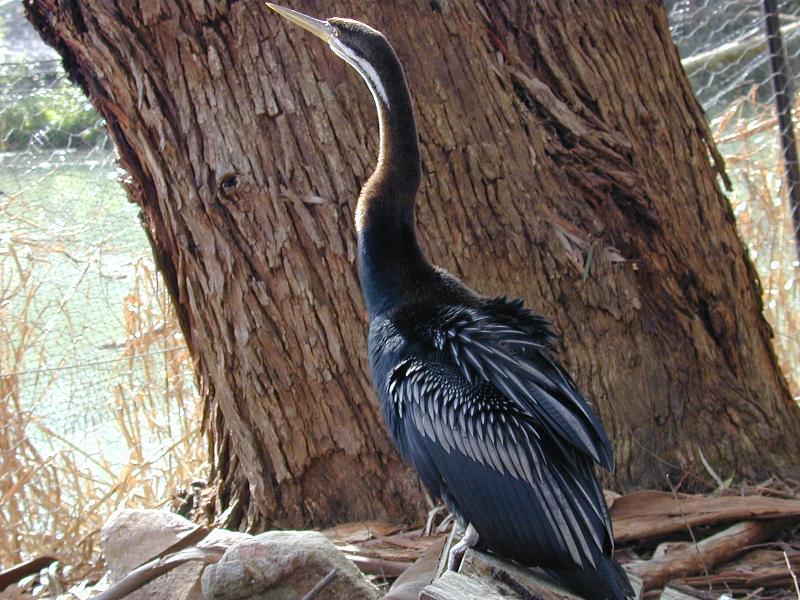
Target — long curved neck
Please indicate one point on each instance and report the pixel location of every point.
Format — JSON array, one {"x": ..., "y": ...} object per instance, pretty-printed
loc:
[
  {"x": 392, "y": 264},
  {"x": 396, "y": 178}
]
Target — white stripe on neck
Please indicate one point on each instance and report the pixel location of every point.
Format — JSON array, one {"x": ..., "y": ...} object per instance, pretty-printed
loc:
[{"x": 366, "y": 70}]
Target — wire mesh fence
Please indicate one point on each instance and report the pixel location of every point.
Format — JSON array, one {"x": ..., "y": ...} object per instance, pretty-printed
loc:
[
  {"x": 97, "y": 403},
  {"x": 724, "y": 50},
  {"x": 98, "y": 408}
]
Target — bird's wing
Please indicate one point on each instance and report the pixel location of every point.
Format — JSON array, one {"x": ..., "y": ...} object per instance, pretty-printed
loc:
[
  {"x": 513, "y": 312},
  {"x": 489, "y": 462},
  {"x": 520, "y": 367}
]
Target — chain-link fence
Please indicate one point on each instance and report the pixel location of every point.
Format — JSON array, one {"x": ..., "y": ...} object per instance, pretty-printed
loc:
[
  {"x": 97, "y": 404},
  {"x": 725, "y": 51}
]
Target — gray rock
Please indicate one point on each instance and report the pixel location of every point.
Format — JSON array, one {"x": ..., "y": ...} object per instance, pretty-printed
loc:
[
  {"x": 133, "y": 537},
  {"x": 284, "y": 565}
]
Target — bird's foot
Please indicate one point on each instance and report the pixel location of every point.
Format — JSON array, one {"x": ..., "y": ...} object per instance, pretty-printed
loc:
[{"x": 456, "y": 553}]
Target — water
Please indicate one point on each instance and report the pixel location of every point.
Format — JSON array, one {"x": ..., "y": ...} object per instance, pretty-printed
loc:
[{"x": 69, "y": 245}]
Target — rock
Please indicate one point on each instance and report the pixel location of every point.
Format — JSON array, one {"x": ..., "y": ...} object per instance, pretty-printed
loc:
[
  {"x": 133, "y": 537},
  {"x": 284, "y": 565}
]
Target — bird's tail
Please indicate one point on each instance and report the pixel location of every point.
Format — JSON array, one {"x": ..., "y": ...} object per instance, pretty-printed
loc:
[{"x": 607, "y": 582}]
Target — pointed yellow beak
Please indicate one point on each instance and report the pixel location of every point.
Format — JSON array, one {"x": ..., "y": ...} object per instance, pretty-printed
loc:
[{"x": 321, "y": 29}]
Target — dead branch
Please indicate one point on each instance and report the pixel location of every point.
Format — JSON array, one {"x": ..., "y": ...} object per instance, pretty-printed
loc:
[
  {"x": 791, "y": 572},
  {"x": 155, "y": 568},
  {"x": 514, "y": 580},
  {"x": 321, "y": 584},
  {"x": 744, "y": 48},
  {"x": 21, "y": 571},
  {"x": 650, "y": 514},
  {"x": 453, "y": 586},
  {"x": 710, "y": 552},
  {"x": 378, "y": 566},
  {"x": 740, "y": 580},
  {"x": 194, "y": 537},
  {"x": 411, "y": 583}
]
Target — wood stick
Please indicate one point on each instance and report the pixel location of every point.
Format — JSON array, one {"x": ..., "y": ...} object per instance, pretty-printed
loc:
[
  {"x": 157, "y": 567},
  {"x": 683, "y": 592},
  {"x": 378, "y": 566},
  {"x": 452, "y": 586},
  {"x": 741, "y": 49},
  {"x": 194, "y": 537},
  {"x": 708, "y": 553},
  {"x": 763, "y": 578},
  {"x": 652, "y": 514},
  {"x": 791, "y": 572},
  {"x": 321, "y": 584},
  {"x": 516, "y": 581},
  {"x": 18, "y": 572}
]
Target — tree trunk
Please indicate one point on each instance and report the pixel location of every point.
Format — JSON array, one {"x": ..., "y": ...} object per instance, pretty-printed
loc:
[{"x": 566, "y": 161}]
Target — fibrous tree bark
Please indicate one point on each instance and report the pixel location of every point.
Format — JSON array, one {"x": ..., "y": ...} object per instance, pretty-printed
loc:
[{"x": 566, "y": 161}]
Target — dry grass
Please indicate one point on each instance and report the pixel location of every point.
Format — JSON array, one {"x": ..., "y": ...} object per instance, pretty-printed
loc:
[
  {"x": 747, "y": 135},
  {"x": 54, "y": 493}
]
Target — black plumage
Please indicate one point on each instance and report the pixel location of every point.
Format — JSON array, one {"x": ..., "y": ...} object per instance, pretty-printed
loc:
[
  {"x": 471, "y": 391},
  {"x": 474, "y": 399}
]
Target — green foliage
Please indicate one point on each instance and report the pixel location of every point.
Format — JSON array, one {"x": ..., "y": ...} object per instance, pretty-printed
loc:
[{"x": 45, "y": 110}]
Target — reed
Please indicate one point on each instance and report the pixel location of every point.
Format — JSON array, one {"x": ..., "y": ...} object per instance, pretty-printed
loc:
[
  {"x": 747, "y": 134},
  {"x": 55, "y": 494}
]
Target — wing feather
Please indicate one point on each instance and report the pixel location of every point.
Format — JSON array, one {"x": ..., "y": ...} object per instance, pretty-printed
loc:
[
  {"x": 483, "y": 350},
  {"x": 520, "y": 503}
]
